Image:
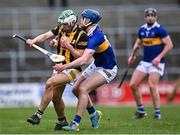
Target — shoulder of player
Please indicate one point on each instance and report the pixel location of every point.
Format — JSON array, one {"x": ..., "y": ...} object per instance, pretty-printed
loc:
[
  {"x": 155, "y": 25},
  {"x": 97, "y": 36}
]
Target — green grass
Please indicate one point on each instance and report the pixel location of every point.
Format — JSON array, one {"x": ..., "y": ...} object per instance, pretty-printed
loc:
[{"x": 115, "y": 120}]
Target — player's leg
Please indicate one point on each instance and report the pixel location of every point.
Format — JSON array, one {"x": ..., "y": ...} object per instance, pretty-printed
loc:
[
  {"x": 93, "y": 113},
  {"x": 69, "y": 76},
  {"x": 136, "y": 78},
  {"x": 85, "y": 87},
  {"x": 59, "y": 107},
  {"x": 153, "y": 81},
  {"x": 56, "y": 80},
  {"x": 94, "y": 78}
]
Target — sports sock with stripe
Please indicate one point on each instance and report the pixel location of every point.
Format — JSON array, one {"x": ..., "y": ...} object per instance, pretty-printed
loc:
[
  {"x": 77, "y": 119},
  {"x": 157, "y": 112},
  {"x": 140, "y": 108},
  {"x": 39, "y": 114},
  {"x": 91, "y": 110}
]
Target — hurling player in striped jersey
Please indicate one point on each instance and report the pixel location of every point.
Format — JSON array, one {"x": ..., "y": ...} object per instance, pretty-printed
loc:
[
  {"x": 156, "y": 43},
  {"x": 71, "y": 42},
  {"x": 102, "y": 70}
]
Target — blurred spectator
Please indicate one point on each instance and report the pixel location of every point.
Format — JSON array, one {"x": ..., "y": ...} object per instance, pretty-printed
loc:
[
  {"x": 51, "y": 3},
  {"x": 63, "y": 3},
  {"x": 172, "y": 94}
]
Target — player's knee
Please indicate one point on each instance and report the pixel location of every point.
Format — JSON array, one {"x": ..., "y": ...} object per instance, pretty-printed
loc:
[
  {"x": 133, "y": 86},
  {"x": 82, "y": 90},
  {"x": 152, "y": 85},
  {"x": 50, "y": 82}
]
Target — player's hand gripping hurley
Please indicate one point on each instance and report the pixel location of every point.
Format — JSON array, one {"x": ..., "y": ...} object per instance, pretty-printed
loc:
[
  {"x": 126, "y": 72},
  {"x": 54, "y": 57}
]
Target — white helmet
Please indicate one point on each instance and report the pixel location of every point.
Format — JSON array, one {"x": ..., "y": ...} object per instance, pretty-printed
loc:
[{"x": 67, "y": 16}]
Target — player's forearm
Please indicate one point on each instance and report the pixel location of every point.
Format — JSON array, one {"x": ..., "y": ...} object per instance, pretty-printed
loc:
[
  {"x": 75, "y": 53},
  {"x": 43, "y": 37},
  {"x": 165, "y": 51},
  {"x": 136, "y": 45},
  {"x": 168, "y": 46},
  {"x": 76, "y": 63}
]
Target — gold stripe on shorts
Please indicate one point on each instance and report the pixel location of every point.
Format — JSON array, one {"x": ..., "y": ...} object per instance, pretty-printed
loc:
[{"x": 72, "y": 74}]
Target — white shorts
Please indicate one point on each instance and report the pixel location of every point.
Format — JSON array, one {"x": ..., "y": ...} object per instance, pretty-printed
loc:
[
  {"x": 108, "y": 74},
  {"x": 148, "y": 67}
]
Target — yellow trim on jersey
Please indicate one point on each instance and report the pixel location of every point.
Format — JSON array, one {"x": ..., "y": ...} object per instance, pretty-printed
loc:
[
  {"x": 103, "y": 47},
  {"x": 151, "y": 41},
  {"x": 67, "y": 53},
  {"x": 67, "y": 56},
  {"x": 72, "y": 74},
  {"x": 59, "y": 32}
]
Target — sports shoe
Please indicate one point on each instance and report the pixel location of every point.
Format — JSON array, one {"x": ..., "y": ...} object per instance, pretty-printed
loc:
[
  {"x": 71, "y": 127},
  {"x": 157, "y": 116},
  {"x": 139, "y": 115},
  {"x": 34, "y": 119},
  {"x": 96, "y": 119},
  {"x": 59, "y": 125}
]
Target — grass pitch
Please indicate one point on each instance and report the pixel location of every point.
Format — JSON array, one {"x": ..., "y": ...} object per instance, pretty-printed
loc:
[{"x": 115, "y": 120}]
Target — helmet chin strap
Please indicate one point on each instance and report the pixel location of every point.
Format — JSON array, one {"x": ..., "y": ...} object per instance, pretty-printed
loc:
[{"x": 86, "y": 25}]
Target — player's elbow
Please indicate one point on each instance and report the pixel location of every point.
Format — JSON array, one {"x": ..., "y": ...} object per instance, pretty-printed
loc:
[{"x": 170, "y": 46}]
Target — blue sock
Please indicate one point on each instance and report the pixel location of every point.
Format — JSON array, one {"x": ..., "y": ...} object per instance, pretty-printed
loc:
[
  {"x": 91, "y": 110},
  {"x": 77, "y": 119},
  {"x": 157, "y": 112},
  {"x": 140, "y": 108}
]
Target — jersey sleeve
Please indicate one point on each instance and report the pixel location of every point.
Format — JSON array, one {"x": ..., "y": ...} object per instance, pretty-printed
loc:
[
  {"x": 95, "y": 41},
  {"x": 82, "y": 42},
  {"x": 139, "y": 34},
  {"x": 55, "y": 30},
  {"x": 162, "y": 32}
]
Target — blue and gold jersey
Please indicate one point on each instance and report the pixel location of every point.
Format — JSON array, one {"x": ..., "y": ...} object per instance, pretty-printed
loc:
[
  {"x": 151, "y": 38},
  {"x": 104, "y": 55}
]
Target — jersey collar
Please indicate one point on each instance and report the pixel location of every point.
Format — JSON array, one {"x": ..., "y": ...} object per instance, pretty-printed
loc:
[
  {"x": 154, "y": 25},
  {"x": 91, "y": 30}
]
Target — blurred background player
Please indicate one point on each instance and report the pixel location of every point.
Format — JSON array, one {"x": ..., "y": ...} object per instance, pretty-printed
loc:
[
  {"x": 172, "y": 94},
  {"x": 103, "y": 70},
  {"x": 156, "y": 44},
  {"x": 71, "y": 42}
]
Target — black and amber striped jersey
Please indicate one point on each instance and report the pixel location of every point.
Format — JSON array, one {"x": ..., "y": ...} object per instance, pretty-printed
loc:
[{"x": 78, "y": 39}]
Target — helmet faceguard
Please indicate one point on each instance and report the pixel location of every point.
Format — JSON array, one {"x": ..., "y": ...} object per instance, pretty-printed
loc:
[
  {"x": 67, "y": 18},
  {"x": 150, "y": 12},
  {"x": 150, "y": 15}
]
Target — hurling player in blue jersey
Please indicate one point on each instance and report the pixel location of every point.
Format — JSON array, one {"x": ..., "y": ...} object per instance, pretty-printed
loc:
[
  {"x": 101, "y": 71},
  {"x": 156, "y": 44}
]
